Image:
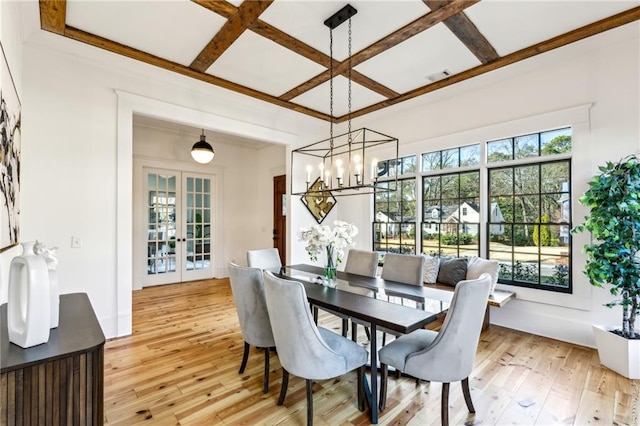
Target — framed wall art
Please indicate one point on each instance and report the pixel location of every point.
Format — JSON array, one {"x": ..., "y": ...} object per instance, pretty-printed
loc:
[
  {"x": 10, "y": 150},
  {"x": 319, "y": 204}
]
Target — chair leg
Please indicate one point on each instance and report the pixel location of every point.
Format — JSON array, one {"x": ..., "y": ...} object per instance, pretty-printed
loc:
[
  {"x": 354, "y": 331},
  {"x": 284, "y": 386},
  {"x": 345, "y": 326},
  {"x": 265, "y": 380},
  {"x": 467, "y": 395},
  {"x": 245, "y": 356},
  {"x": 383, "y": 386},
  {"x": 309, "y": 402},
  {"x": 367, "y": 332},
  {"x": 361, "y": 398},
  {"x": 444, "y": 407}
]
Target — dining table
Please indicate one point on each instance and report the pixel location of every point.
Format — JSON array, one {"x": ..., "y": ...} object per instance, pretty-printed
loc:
[{"x": 373, "y": 301}]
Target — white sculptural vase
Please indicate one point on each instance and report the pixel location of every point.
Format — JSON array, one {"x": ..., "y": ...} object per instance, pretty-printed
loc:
[{"x": 29, "y": 303}]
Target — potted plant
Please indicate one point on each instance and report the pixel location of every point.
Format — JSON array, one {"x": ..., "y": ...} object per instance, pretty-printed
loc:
[{"x": 613, "y": 257}]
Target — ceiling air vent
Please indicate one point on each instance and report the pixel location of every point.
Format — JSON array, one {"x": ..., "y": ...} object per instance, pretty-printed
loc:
[{"x": 439, "y": 75}]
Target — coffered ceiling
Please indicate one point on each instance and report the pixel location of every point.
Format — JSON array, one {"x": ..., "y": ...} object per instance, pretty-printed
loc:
[{"x": 278, "y": 51}]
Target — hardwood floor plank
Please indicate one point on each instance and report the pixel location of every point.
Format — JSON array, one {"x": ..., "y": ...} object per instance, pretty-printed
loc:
[{"x": 180, "y": 367}]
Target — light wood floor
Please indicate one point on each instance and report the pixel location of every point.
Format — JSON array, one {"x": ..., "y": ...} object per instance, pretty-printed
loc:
[{"x": 180, "y": 366}]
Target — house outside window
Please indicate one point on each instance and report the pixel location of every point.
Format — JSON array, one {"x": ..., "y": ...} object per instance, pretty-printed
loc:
[
  {"x": 451, "y": 214},
  {"x": 394, "y": 226}
]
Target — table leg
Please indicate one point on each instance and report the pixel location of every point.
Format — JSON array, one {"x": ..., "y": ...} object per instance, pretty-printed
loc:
[{"x": 374, "y": 375}]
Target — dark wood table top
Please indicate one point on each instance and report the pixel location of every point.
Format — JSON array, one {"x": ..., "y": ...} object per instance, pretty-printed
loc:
[
  {"x": 355, "y": 296},
  {"x": 78, "y": 331}
]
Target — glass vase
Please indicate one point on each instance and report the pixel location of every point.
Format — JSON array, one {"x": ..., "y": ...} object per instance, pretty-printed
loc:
[{"x": 330, "y": 271}]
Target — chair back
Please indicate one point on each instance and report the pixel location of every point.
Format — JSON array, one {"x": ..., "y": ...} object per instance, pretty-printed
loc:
[
  {"x": 362, "y": 262},
  {"x": 450, "y": 356},
  {"x": 264, "y": 258},
  {"x": 403, "y": 268},
  {"x": 301, "y": 349},
  {"x": 248, "y": 293}
]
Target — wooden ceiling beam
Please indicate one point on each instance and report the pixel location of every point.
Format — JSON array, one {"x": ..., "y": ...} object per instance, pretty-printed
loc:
[
  {"x": 53, "y": 15},
  {"x": 221, "y": 7},
  {"x": 466, "y": 31},
  {"x": 578, "y": 34},
  {"x": 417, "y": 26},
  {"x": 121, "y": 49},
  {"x": 278, "y": 36},
  {"x": 285, "y": 40},
  {"x": 246, "y": 15}
]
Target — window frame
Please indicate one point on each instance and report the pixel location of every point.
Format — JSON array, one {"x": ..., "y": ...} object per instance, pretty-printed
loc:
[
  {"x": 539, "y": 162},
  {"x": 441, "y": 223},
  {"x": 376, "y": 243}
]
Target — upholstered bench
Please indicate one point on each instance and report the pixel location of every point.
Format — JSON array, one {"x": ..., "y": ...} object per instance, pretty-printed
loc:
[{"x": 442, "y": 275}]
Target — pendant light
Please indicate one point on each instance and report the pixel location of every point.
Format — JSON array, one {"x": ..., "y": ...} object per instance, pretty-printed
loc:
[
  {"x": 201, "y": 151},
  {"x": 345, "y": 164}
]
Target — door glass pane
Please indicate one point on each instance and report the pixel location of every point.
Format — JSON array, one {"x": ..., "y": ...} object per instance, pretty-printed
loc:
[
  {"x": 161, "y": 224},
  {"x": 198, "y": 224}
]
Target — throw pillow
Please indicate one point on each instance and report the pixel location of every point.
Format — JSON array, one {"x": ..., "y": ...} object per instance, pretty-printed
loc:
[
  {"x": 477, "y": 266},
  {"x": 430, "y": 269},
  {"x": 452, "y": 270}
]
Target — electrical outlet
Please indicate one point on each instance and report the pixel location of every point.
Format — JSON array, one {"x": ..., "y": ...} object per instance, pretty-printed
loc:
[{"x": 76, "y": 242}]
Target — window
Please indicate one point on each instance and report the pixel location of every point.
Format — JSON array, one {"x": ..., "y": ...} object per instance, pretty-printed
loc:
[
  {"x": 394, "y": 228},
  {"x": 529, "y": 210},
  {"x": 451, "y": 158},
  {"x": 399, "y": 167},
  {"x": 451, "y": 214},
  {"x": 528, "y": 146},
  {"x": 529, "y": 224},
  {"x": 526, "y": 215}
]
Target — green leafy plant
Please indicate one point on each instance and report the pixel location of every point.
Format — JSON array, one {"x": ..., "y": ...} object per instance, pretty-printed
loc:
[
  {"x": 541, "y": 231},
  {"x": 613, "y": 257}
]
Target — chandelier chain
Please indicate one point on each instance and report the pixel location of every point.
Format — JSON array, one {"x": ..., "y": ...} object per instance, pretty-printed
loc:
[
  {"x": 331, "y": 89},
  {"x": 349, "y": 78}
]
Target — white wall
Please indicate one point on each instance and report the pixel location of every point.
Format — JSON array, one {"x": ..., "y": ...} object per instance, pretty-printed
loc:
[
  {"x": 70, "y": 148},
  {"x": 604, "y": 71},
  {"x": 71, "y": 160},
  {"x": 11, "y": 37}
]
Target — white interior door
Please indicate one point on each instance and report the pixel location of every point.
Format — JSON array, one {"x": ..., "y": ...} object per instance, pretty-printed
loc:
[{"x": 178, "y": 218}]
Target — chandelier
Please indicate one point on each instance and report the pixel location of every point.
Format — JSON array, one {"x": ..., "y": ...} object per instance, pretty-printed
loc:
[{"x": 345, "y": 164}]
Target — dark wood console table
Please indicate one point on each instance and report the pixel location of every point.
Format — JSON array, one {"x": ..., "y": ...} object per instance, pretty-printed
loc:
[{"x": 58, "y": 382}]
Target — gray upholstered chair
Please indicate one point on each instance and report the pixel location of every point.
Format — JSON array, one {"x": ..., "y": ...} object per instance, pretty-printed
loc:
[
  {"x": 264, "y": 258},
  {"x": 248, "y": 293},
  {"x": 446, "y": 356},
  {"x": 362, "y": 262},
  {"x": 305, "y": 350},
  {"x": 403, "y": 268}
]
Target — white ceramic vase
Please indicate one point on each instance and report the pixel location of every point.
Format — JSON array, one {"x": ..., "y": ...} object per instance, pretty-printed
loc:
[{"x": 29, "y": 303}]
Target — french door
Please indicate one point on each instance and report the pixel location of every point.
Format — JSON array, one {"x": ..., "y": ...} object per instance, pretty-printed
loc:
[{"x": 179, "y": 220}]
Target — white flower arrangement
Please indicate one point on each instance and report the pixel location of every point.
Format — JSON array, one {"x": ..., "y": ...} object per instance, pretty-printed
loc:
[{"x": 321, "y": 237}]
